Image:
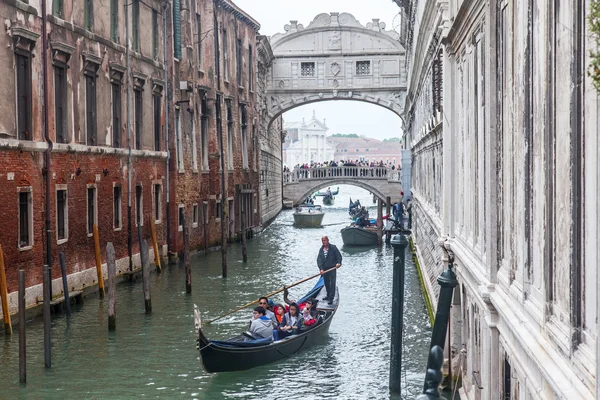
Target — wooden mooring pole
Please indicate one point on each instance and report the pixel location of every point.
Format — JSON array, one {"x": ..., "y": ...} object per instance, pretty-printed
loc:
[
  {"x": 146, "y": 275},
  {"x": 379, "y": 222},
  {"x": 98, "y": 262},
  {"x": 244, "y": 234},
  {"x": 65, "y": 282},
  {"x": 4, "y": 296},
  {"x": 47, "y": 319},
  {"x": 111, "y": 267},
  {"x": 399, "y": 242},
  {"x": 155, "y": 245},
  {"x": 186, "y": 257},
  {"x": 22, "y": 336}
]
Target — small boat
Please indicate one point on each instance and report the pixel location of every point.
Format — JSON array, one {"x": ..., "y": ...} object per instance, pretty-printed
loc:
[
  {"x": 354, "y": 209},
  {"x": 328, "y": 197},
  {"x": 241, "y": 353},
  {"x": 358, "y": 236},
  {"x": 308, "y": 215}
]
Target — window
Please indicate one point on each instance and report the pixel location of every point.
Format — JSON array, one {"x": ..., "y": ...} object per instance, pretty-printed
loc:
[
  {"x": 205, "y": 212},
  {"x": 139, "y": 206},
  {"x": 135, "y": 17},
  {"x": 157, "y": 121},
  {"x": 23, "y": 64},
  {"x": 229, "y": 136},
  {"x": 204, "y": 133},
  {"x": 199, "y": 39},
  {"x": 139, "y": 117},
  {"x": 155, "y": 34},
  {"x": 116, "y": 113},
  {"x": 90, "y": 109},
  {"x": 363, "y": 68},
  {"x": 239, "y": 62},
  {"x": 91, "y": 209},
  {"x": 117, "y": 213},
  {"x": 307, "y": 69},
  {"x": 225, "y": 56},
  {"x": 60, "y": 102},
  {"x": 244, "y": 139},
  {"x": 114, "y": 20},
  {"x": 179, "y": 144},
  {"x": 25, "y": 219},
  {"x": 181, "y": 217},
  {"x": 194, "y": 147},
  {"x": 250, "y": 68},
  {"x": 218, "y": 206},
  {"x": 89, "y": 14},
  {"x": 195, "y": 216},
  {"x": 61, "y": 215},
  {"x": 177, "y": 29},
  {"x": 59, "y": 8},
  {"x": 157, "y": 203}
]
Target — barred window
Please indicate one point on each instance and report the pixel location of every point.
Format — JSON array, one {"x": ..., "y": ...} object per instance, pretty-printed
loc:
[
  {"x": 363, "y": 68},
  {"x": 307, "y": 69}
]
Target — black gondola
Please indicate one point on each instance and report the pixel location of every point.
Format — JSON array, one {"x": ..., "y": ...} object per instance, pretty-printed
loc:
[{"x": 241, "y": 353}]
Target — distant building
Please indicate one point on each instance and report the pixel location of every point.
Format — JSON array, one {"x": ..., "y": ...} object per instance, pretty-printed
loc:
[
  {"x": 306, "y": 142},
  {"x": 365, "y": 149}
]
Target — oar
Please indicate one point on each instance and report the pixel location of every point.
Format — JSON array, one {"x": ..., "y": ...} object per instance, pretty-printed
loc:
[{"x": 269, "y": 295}]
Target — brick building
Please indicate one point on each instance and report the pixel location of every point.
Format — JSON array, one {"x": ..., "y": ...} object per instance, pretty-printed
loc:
[
  {"x": 214, "y": 96},
  {"x": 86, "y": 140}
]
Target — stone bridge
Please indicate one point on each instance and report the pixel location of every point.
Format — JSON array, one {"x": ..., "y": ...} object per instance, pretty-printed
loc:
[
  {"x": 381, "y": 181},
  {"x": 335, "y": 57}
]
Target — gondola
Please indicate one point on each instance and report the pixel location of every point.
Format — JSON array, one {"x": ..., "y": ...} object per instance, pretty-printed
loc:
[
  {"x": 241, "y": 353},
  {"x": 359, "y": 236},
  {"x": 328, "y": 198}
]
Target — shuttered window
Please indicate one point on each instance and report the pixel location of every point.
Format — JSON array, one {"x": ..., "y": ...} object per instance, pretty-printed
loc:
[
  {"x": 23, "y": 64},
  {"x": 155, "y": 34},
  {"x": 114, "y": 20},
  {"x": 117, "y": 207},
  {"x": 60, "y": 103},
  {"x": 157, "y": 120},
  {"x": 116, "y": 113},
  {"x": 89, "y": 14},
  {"x": 90, "y": 110},
  {"x": 135, "y": 17},
  {"x": 250, "y": 66},
  {"x": 137, "y": 99},
  {"x": 25, "y": 219},
  {"x": 91, "y": 209},
  {"x": 239, "y": 62},
  {"x": 58, "y": 8},
  {"x": 157, "y": 203},
  {"x": 138, "y": 205},
  {"x": 61, "y": 214},
  {"x": 177, "y": 29}
]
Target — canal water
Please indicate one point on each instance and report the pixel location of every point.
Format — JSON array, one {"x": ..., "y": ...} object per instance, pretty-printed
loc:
[{"x": 155, "y": 356}]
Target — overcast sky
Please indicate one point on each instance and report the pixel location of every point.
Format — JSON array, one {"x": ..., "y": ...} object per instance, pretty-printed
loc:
[{"x": 342, "y": 116}]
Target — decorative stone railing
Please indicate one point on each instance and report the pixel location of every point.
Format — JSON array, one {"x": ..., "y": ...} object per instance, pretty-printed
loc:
[{"x": 327, "y": 173}]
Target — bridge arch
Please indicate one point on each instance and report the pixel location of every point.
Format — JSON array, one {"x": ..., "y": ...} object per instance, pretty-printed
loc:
[
  {"x": 333, "y": 183},
  {"x": 336, "y": 58}
]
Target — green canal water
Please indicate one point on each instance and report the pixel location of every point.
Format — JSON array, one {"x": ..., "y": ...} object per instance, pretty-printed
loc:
[{"x": 155, "y": 357}]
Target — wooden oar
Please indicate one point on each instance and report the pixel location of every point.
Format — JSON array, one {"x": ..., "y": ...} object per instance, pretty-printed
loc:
[{"x": 269, "y": 295}]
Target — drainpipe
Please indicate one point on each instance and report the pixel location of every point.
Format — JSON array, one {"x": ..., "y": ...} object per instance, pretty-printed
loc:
[
  {"x": 129, "y": 239},
  {"x": 47, "y": 138},
  {"x": 168, "y": 194}
]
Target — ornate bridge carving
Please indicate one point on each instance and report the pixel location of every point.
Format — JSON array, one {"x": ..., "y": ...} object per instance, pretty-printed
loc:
[
  {"x": 381, "y": 181},
  {"x": 336, "y": 58}
]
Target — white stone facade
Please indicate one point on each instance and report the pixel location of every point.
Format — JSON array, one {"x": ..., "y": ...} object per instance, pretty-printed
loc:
[
  {"x": 306, "y": 142},
  {"x": 503, "y": 124}
]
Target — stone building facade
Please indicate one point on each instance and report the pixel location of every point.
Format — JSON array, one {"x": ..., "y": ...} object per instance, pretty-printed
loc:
[
  {"x": 503, "y": 125},
  {"x": 215, "y": 122},
  {"x": 90, "y": 174},
  {"x": 270, "y": 139}
]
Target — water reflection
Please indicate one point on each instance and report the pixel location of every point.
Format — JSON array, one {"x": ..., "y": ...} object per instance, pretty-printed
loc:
[{"x": 154, "y": 356}]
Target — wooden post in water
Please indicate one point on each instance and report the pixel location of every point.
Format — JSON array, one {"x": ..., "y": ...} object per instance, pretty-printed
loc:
[
  {"x": 388, "y": 201},
  {"x": 155, "y": 245},
  {"x": 22, "y": 336},
  {"x": 146, "y": 275},
  {"x": 186, "y": 257},
  {"x": 4, "y": 296},
  {"x": 379, "y": 221},
  {"x": 399, "y": 243},
  {"x": 205, "y": 218},
  {"x": 98, "y": 262},
  {"x": 65, "y": 282},
  {"x": 47, "y": 318},
  {"x": 244, "y": 247},
  {"x": 111, "y": 267}
]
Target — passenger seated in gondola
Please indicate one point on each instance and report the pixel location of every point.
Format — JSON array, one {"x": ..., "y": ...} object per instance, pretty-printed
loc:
[
  {"x": 261, "y": 326},
  {"x": 279, "y": 311},
  {"x": 264, "y": 303},
  {"x": 290, "y": 324},
  {"x": 310, "y": 313}
]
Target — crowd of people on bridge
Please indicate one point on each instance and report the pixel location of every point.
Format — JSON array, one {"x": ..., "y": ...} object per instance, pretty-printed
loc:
[{"x": 319, "y": 169}]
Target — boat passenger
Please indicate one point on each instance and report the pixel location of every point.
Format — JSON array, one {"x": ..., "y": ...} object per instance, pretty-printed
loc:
[
  {"x": 264, "y": 303},
  {"x": 262, "y": 326},
  {"x": 279, "y": 311},
  {"x": 310, "y": 313},
  {"x": 290, "y": 324}
]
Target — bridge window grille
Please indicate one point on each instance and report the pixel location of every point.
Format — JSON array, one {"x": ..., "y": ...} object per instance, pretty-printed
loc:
[
  {"x": 307, "y": 69},
  {"x": 363, "y": 68}
]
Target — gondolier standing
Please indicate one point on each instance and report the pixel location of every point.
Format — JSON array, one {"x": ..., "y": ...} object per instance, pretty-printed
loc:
[{"x": 329, "y": 257}]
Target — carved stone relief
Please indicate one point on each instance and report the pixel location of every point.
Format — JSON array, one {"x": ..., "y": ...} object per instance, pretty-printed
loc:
[{"x": 335, "y": 68}]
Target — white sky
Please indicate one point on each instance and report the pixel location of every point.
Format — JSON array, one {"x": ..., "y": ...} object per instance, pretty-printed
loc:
[{"x": 342, "y": 116}]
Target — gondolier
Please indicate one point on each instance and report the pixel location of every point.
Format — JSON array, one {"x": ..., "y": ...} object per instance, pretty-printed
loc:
[{"x": 329, "y": 257}]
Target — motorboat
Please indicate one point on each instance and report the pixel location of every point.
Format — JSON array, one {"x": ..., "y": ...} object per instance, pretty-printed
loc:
[{"x": 308, "y": 215}]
